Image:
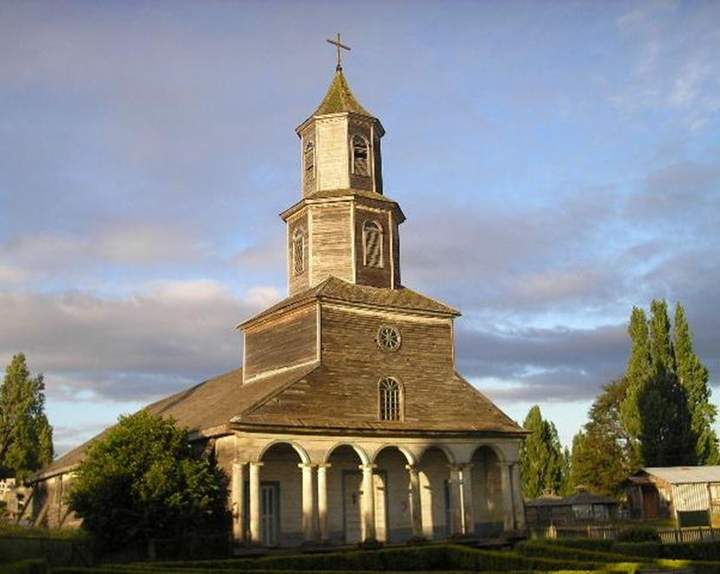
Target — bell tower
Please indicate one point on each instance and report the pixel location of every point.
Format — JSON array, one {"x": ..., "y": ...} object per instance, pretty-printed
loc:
[{"x": 344, "y": 225}]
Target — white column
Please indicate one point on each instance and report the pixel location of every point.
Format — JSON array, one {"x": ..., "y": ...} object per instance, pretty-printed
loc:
[
  {"x": 368, "y": 503},
  {"x": 237, "y": 501},
  {"x": 468, "y": 508},
  {"x": 456, "y": 515},
  {"x": 308, "y": 502},
  {"x": 415, "y": 502},
  {"x": 507, "y": 494},
  {"x": 255, "y": 534},
  {"x": 322, "y": 502},
  {"x": 518, "y": 502}
]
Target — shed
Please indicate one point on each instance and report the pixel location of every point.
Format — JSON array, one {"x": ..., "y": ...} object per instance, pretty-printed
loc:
[
  {"x": 688, "y": 494},
  {"x": 581, "y": 507}
]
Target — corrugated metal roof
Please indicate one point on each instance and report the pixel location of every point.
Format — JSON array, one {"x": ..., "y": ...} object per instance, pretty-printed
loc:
[{"x": 685, "y": 474}]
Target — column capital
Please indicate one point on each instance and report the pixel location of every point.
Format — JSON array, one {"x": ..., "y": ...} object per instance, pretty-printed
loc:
[
  {"x": 305, "y": 465},
  {"x": 256, "y": 463},
  {"x": 324, "y": 465},
  {"x": 369, "y": 466},
  {"x": 411, "y": 467}
]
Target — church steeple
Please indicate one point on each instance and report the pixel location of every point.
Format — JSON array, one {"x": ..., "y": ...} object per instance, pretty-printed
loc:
[{"x": 343, "y": 226}]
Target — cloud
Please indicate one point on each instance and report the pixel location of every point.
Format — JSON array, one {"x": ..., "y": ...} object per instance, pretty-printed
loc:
[{"x": 160, "y": 338}]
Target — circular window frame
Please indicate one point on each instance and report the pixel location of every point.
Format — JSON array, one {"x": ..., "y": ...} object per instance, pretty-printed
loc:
[{"x": 380, "y": 340}]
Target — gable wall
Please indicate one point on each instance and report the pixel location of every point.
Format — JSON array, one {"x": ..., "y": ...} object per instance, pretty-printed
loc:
[{"x": 286, "y": 341}]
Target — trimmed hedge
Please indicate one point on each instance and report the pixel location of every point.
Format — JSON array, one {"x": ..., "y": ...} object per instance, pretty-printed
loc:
[
  {"x": 549, "y": 550},
  {"x": 704, "y": 551},
  {"x": 33, "y": 566},
  {"x": 638, "y": 534},
  {"x": 433, "y": 557}
]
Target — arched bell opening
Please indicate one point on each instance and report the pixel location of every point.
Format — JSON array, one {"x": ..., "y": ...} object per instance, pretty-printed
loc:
[{"x": 487, "y": 492}]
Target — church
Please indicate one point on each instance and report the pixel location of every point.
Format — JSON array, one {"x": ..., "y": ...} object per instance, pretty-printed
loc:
[{"x": 347, "y": 422}]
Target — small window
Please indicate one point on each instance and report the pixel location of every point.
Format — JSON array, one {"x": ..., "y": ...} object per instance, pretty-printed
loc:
[
  {"x": 360, "y": 155},
  {"x": 298, "y": 251},
  {"x": 309, "y": 160},
  {"x": 389, "y": 399},
  {"x": 372, "y": 244}
]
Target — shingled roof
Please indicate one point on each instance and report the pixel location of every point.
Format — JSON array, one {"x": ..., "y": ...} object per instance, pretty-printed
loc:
[
  {"x": 339, "y": 98},
  {"x": 338, "y": 290},
  {"x": 208, "y": 405}
]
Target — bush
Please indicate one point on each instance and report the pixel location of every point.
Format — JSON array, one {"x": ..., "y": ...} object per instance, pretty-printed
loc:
[
  {"x": 550, "y": 550},
  {"x": 693, "y": 551},
  {"x": 420, "y": 558},
  {"x": 638, "y": 534},
  {"x": 644, "y": 549},
  {"x": 25, "y": 567}
]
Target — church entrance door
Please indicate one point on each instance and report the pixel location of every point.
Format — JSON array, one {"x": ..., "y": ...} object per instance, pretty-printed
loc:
[
  {"x": 352, "y": 508},
  {"x": 270, "y": 515}
]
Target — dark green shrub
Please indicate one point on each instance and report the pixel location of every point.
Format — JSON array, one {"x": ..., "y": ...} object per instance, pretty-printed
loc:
[
  {"x": 549, "y": 550},
  {"x": 33, "y": 566},
  {"x": 645, "y": 549},
  {"x": 693, "y": 550},
  {"x": 638, "y": 534},
  {"x": 596, "y": 544}
]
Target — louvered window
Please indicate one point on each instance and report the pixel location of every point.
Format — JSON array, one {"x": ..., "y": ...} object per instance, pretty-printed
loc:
[
  {"x": 298, "y": 251},
  {"x": 360, "y": 156},
  {"x": 372, "y": 244},
  {"x": 389, "y": 391},
  {"x": 309, "y": 160}
]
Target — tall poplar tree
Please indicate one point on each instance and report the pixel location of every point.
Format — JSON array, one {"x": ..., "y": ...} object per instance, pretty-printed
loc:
[
  {"x": 656, "y": 413},
  {"x": 541, "y": 456},
  {"x": 25, "y": 433},
  {"x": 694, "y": 378}
]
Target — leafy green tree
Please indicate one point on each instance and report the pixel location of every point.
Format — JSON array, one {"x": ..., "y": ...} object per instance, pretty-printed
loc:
[
  {"x": 541, "y": 456},
  {"x": 694, "y": 377},
  {"x": 143, "y": 480},
  {"x": 602, "y": 453},
  {"x": 25, "y": 433},
  {"x": 656, "y": 412}
]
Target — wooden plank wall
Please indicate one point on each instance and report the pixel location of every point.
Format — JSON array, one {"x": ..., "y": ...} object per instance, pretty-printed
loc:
[
  {"x": 284, "y": 342},
  {"x": 331, "y": 252}
]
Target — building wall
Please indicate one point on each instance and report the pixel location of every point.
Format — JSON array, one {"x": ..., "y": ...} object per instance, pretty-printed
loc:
[
  {"x": 285, "y": 341},
  {"x": 298, "y": 281},
  {"x": 374, "y": 276},
  {"x": 489, "y": 506},
  {"x": 332, "y": 160},
  {"x": 331, "y": 242}
]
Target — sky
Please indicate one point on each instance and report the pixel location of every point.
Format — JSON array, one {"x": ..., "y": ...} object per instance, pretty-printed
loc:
[{"x": 558, "y": 162}]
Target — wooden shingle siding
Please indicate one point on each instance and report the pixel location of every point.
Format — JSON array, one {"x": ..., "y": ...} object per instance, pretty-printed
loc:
[
  {"x": 356, "y": 181},
  {"x": 297, "y": 282},
  {"x": 332, "y": 159},
  {"x": 286, "y": 341},
  {"x": 367, "y": 275},
  {"x": 331, "y": 242}
]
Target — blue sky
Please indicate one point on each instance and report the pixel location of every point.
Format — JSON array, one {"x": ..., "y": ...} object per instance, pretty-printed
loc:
[{"x": 558, "y": 163}]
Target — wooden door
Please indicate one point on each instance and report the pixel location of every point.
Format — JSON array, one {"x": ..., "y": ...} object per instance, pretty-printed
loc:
[
  {"x": 650, "y": 502},
  {"x": 269, "y": 514},
  {"x": 352, "y": 507}
]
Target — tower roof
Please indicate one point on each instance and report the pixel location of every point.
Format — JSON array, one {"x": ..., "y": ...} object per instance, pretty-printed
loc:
[{"x": 339, "y": 98}]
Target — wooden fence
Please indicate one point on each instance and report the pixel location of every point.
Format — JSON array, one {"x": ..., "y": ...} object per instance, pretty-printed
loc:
[{"x": 667, "y": 535}]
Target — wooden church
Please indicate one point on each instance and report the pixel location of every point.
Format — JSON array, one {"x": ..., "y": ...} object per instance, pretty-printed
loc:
[{"x": 347, "y": 422}]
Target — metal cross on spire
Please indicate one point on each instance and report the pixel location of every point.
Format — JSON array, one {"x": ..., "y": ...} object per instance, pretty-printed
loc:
[{"x": 338, "y": 45}]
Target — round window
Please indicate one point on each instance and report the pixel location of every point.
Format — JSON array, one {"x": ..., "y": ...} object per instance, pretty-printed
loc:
[{"x": 388, "y": 338}]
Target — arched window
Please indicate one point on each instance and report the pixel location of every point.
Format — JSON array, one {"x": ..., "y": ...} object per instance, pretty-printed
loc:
[
  {"x": 360, "y": 156},
  {"x": 389, "y": 396},
  {"x": 298, "y": 251},
  {"x": 372, "y": 236},
  {"x": 309, "y": 160}
]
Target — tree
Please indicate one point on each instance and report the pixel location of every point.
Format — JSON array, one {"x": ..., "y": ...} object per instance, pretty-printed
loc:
[
  {"x": 143, "y": 480},
  {"x": 694, "y": 378},
  {"x": 25, "y": 433},
  {"x": 656, "y": 411},
  {"x": 602, "y": 453},
  {"x": 541, "y": 456}
]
